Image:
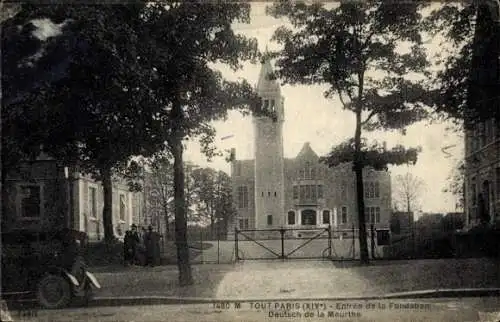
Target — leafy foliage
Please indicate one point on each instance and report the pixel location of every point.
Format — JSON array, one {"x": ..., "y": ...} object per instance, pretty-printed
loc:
[
  {"x": 456, "y": 181},
  {"x": 375, "y": 155},
  {"x": 342, "y": 47},
  {"x": 213, "y": 195},
  {"x": 467, "y": 86}
]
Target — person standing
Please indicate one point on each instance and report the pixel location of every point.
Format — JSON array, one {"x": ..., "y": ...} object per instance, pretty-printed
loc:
[{"x": 134, "y": 244}]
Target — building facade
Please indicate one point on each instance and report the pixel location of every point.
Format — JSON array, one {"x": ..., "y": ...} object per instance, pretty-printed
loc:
[
  {"x": 272, "y": 191},
  {"x": 42, "y": 195},
  {"x": 482, "y": 174}
]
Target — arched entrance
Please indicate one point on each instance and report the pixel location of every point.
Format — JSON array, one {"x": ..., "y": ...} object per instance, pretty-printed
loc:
[{"x": 308, "y": 217}]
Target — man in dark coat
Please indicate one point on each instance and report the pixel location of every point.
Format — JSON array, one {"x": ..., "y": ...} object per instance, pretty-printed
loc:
[{"x": 151, "y": 244}]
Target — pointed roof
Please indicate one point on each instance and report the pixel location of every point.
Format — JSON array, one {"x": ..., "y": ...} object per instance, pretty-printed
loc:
[
  {"x": 267, "y": 83},
  {"x": 307, "y": 152}
]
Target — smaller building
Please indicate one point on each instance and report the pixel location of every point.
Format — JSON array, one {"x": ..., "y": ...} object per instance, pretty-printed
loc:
[
  {"x": 43, "y": 195},
  {"x": 482, "y": 173}
]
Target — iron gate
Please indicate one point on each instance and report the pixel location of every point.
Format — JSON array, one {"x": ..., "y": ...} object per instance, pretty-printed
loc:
[{"x": 300, "y": 243}]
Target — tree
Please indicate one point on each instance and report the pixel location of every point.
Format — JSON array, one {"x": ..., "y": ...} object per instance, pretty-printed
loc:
[
  {"x": 212, "y": 192},
  {"x": 467, "y": 85},
  {"x": 162, "y": 183},
  {"x": 408, "y": 190},
  {"x": 192, "y": 36},
  {"x": 342, "y": 47},
  {"x": 79, "y": 94},
  {"x": 455, "y": 186}
]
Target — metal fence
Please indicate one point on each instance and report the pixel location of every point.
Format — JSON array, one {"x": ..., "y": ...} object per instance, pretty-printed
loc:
[{"x": 320, "y": 243}]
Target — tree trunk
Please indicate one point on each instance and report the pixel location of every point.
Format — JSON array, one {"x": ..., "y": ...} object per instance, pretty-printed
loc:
[
  {"x": 185, "y": 275},
  {"x": 107, "y": 211},
  {"x": 358, "y": 170}
]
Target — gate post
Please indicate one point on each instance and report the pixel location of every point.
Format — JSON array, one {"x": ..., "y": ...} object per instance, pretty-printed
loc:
[
  {"x": 329, "y": 241},
  {"x": 282, "y": 232},
  {"x": 372, "y": 228},
  {"x": 237, "y": 255}
]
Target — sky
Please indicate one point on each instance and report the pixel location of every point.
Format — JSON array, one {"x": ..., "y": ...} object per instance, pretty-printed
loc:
[{"x": 309, "y": 117}]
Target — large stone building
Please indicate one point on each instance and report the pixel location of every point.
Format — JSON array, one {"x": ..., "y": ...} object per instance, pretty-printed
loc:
[
  {"x": 272, "y": 191},
  {"x": 482, "y": 173}
]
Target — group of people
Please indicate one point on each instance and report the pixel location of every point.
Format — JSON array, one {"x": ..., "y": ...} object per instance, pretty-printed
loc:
[{"x": 141, "y": 249}]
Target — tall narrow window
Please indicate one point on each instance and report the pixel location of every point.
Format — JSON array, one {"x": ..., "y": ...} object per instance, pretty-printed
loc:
[
  {"x": 473, "y": 192},
  {"x": 30, "y": 201},
  {"x": 326, "y": 217},
  {"x": 243, "y": 197},
  {"x": 266, "y": 104},
  {"x": 92, "y": 202},
  {"x": 291, "y": 217},
  {"x": 246, "y": 223},
  {"x": 377, "y": 215},
  {"x": 302, "y": 192},
  {"x": 313, "y": 192},
  {"x": 122, "y": 207},
  {"x": 377, "y": 189},
  {"x": 313, "y": 173},
  {"x": 320, "y": 191},
  {"x": 269, "y": 220},
  {"x": 273, "y": 107},
  {"x": 343, "y": 190},
  {"x": 343, "y": 214},
  {"x": 295, "y": 192}
]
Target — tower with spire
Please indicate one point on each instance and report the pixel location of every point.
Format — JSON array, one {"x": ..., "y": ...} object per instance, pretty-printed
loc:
[{"x": 268, "y": 147}]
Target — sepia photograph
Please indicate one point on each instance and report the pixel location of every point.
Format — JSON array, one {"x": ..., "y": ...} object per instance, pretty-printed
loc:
[{"x": 250, "y": 160}]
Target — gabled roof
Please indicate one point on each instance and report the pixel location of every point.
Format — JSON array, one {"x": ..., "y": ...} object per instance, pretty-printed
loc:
[{"x": 307, "y": 152}]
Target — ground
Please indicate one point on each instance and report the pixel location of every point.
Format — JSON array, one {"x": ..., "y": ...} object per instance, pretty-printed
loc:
[
  {"x": 262, "y": 281},
  {"x": 302, "y": 279}
]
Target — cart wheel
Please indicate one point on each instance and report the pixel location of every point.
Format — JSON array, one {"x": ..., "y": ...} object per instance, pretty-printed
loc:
[{"x": 54, "y": 291}]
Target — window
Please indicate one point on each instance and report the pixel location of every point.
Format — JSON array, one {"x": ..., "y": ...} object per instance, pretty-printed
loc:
[
  {"x": 372, "y": 215},
  {"x": 269, "y": 193},
  {"x": 243, "y": 223},
  {"x": 326, "y": 217},
  {"x": 291, "y": 217},
  {"x": 343, "y": 214},
  {"x": 295, "y": 192},
  {"x": 372, "y": 190},
  {"x": 320, "y": 191},
  {"x": 313, "y": 173},
  {"x": 308, "y": 192},
  {"x": 243, "y": 197},
  {"x": 122, "y": 207},
  {"x": 272, "y": 105},
  {"x": 275, "y": 193},
  {"x": 238, "y": 169},
  {"x": 302, "y": 192},
  {"x": 92, "y": 202},
  {"x": 30, "y": 201},
  {"x": 266, "y": 104},
  {"x": 269, "y": 220},
  {"x": 313, "y": 192},
  {"x": 301, "y": 174},
  {"x": 343, "y": 190}
]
